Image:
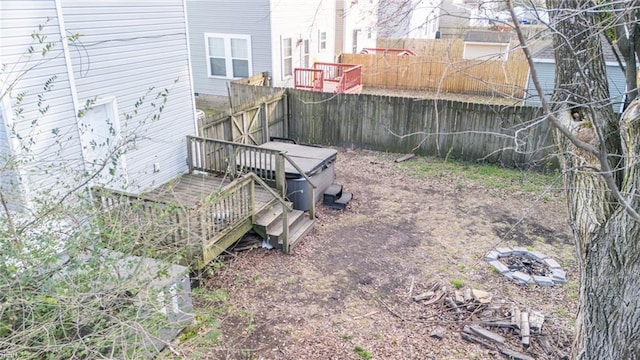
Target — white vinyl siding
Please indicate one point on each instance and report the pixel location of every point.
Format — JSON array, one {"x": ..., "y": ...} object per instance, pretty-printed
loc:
[
  {"x": 43, "y": 137},
  {"x": 287, "y": 57},
  {"x": 229, "y": 55},
  {"x": 130, "y": 50}
]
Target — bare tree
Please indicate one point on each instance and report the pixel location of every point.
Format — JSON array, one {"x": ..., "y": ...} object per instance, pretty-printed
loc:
[{"x": 599, "y": 155}]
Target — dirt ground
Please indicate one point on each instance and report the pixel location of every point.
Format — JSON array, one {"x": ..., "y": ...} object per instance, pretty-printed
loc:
[{"x": 345, "y": 291}]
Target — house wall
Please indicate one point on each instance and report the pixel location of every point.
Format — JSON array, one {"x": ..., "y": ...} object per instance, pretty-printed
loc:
[
  {"x": 301, "y": 20},
  {"x": 546, "y": 76},
  {"x": 9, "y": 179},
  {"x": 49, "y": 146},
  {"x": 408, "y": 19},
  {"x": 360, "y": 26},
  {"x": 484, "y": 51},
  {"x": 126, "y": 49},
  {"x": 242, "y": 17}
]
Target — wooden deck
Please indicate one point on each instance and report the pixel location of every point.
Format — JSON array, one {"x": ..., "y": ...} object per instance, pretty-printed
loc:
[{"x": 190, "y": 189}]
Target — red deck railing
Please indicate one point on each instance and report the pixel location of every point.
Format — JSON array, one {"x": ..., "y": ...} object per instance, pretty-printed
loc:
[
  {"x": 344, "y": 77},
  {"x": 311, "y": 79}
]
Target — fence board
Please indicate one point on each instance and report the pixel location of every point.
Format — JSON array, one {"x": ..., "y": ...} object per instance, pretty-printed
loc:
[
  {"x": 443, "y": 74},
  {"x": 467, "y": 131}
]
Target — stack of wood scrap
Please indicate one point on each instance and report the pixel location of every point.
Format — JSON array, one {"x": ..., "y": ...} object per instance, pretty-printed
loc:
[{"x": 493, "y": 323}]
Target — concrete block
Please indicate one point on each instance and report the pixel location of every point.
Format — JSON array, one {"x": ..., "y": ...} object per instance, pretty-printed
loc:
[
  {"x": 559, "y": 276},
  {"x": 552, "y": 264},
  {"x": 543, "y": 280},
  {"x": 519, "y": 251},
  {"x": 502, "y": 268},
  {"x": 504, "y": 251},
  {"x": 521, "y": 277},
  {"x": 492, "y": 255},
  {"x": 536, "y": 255}
]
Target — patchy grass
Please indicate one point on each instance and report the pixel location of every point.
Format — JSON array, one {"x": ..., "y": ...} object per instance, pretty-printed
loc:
[
  {"x": 457, "y": 283},
  {"x": 490, "y": 176},
  {"x": 362, "y": 353}
]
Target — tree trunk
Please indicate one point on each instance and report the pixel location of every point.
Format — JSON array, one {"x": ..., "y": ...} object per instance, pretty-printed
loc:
[{"x": 607, "y": 238}]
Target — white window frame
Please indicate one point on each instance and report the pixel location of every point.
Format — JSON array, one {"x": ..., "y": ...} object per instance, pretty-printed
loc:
[
  {"x": 284, "y": 58},
  {"x": 306, "y": 50},
  {"x": 322, "y": 43},
  {"x": 110, "y": 104},
  {"x": 227, "y": 52}
]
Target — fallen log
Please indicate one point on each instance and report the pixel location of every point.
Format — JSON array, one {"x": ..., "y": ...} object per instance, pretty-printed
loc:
[
  {"x": 405, "y": 158},
  {"x": 484, "y": 333}
]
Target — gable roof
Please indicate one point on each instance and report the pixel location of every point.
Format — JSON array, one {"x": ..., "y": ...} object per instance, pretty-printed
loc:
[
  {"x": 546, "y": 52},
  {"x": 486, "y": 36}
]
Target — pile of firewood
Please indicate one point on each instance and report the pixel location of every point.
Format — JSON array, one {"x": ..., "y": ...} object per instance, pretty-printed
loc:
[{"x": 489, "y": 322}]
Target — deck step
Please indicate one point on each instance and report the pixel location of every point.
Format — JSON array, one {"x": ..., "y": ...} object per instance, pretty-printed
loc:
[
  {"x": 333, "y": 192},
  {"x": 274, "y": 230},
  {"x": 335, "y": 198},
  {"x": 267, "y": 216},
  {"x": 299, "y": 231}
]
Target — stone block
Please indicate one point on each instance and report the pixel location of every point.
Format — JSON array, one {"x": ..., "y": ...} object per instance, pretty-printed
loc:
[
  {"x": 521, "y": 277},
  {"x": 504, "y": 251},
  {"x": 559, "y": 276},
  {"x": 502, "y": 268},
  {"x": 536, "y": 255},
  {"x": 543, "y": 280},
  {"x": 492, "y": 255},
  {"x": 519, "y": 251},
  {"x": 552, "y": 264}
]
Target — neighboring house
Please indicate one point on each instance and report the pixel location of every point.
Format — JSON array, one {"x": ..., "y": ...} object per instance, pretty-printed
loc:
[
  {"x": 415, "y": 19},
  {"x": 456, "y": 17},
  {"x": 124, "y": 51},
  {"x": 486, "y": 45},
  {"x": 544, "y": 63},
  {"x": 356, "y": 25},
  {"x": 232, "y": 39}
]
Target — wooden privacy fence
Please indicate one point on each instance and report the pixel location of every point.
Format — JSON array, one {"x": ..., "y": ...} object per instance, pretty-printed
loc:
[
  {"x": 510, "y": 135},
  {"x": 445, "y": 48},
  {"x": 440, "y": 74},
  {"x": 253, "y": 121}
]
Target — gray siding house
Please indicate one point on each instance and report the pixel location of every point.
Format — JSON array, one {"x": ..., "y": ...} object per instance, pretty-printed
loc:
[
  {"x": 546, "y": 69},
  {"x": 232, "y": 39},
  {"x": 126, "y": 55}
]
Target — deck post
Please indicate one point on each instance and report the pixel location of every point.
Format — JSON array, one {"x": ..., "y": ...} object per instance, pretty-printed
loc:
[
  {"x": 190, "y": 154},
  {"x": 312, "y": 209},
  {"x": 252, "y": 200},
  {"x": 285, "y": 230},
  {"x": 231, "y": 161},
  {"x": 280, "y": 176}
]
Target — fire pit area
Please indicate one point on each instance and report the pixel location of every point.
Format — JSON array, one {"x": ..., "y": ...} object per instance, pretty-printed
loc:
[{"x": 526, "y": 267}]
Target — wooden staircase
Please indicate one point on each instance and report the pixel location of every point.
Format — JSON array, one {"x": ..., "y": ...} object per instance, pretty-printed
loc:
[{"x": 268, "y": 223}]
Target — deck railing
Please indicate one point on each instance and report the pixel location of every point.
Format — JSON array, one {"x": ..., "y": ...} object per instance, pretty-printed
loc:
[
  {"x": 228, "y": 158},
  {"x": 351, "y": 79},
  {"x": 144, "y": 223},
  {"x": 168, "y": 229},
  {"x": 310, "y": 79},
  {"x": 344, "y": 77}
]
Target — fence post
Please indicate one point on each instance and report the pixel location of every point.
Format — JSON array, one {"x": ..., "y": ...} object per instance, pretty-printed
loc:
[{"x": 264, "y": 121}]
